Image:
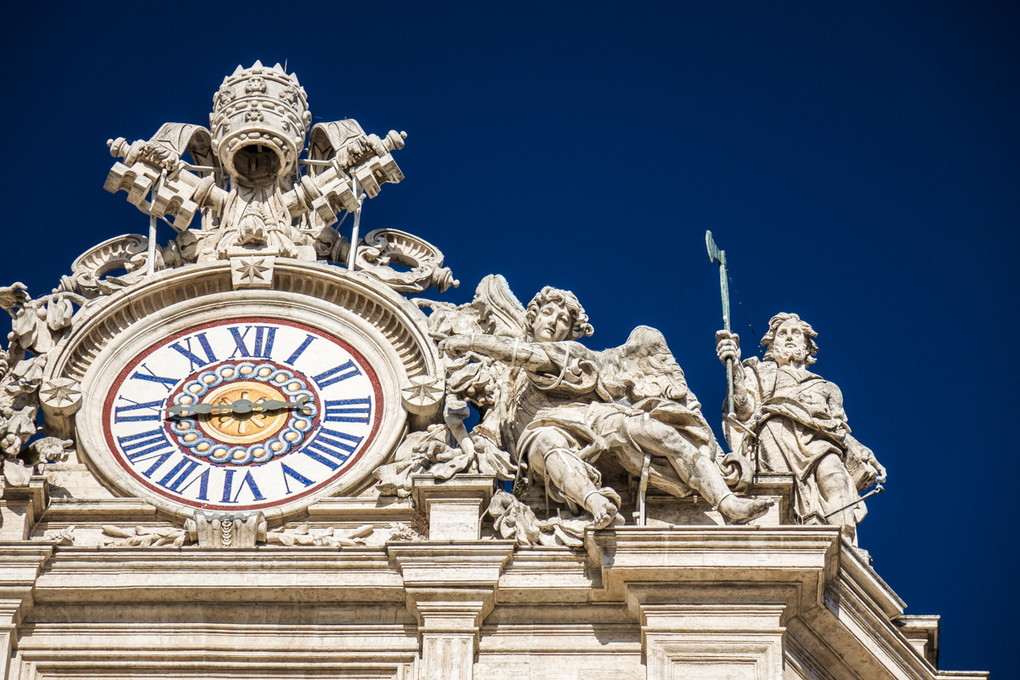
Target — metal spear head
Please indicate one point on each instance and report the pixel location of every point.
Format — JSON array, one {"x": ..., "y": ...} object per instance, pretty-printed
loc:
[{"x": 714, "y": 254}]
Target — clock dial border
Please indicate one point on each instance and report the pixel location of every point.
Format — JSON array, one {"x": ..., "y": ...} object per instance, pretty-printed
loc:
[
  {"x": 330, "y": 319},
  {"x": 325, "y": 479}
]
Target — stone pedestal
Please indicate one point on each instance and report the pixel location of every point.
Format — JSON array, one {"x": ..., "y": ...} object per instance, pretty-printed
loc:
[
  {"x": 21, "y": 507},
  {"x": 453, "y": 508},
  {"x": 707, "y": 606}
]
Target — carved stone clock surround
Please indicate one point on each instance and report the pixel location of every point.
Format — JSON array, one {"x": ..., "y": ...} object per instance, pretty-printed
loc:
[{"x": 382, "y": 326}]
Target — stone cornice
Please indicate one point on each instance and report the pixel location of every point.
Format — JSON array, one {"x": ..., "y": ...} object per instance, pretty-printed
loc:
[
  {"x": 803, "y": 580},
  {"x": 261, "y": 575}
]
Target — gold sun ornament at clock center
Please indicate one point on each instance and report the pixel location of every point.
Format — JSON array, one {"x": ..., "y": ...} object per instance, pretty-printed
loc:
[{"x": 248, "y": 428}]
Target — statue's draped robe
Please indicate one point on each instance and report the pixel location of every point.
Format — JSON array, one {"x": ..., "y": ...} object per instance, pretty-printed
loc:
[
  {"x": 586, "y": 398},
  {"x": 802, "y": 421}
]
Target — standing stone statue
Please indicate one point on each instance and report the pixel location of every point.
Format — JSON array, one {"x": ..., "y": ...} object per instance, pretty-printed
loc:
[
  {"x": 568, "y": 405},
  {"x": 795, "y": 421}
]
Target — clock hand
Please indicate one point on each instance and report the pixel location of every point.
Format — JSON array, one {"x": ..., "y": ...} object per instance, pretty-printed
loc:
[
  {"x": 238, "y": 407},
  {"x": 195, "y": 409},
  {"x": 274, "y": 404},
  {"x": 182, "y": 409}
]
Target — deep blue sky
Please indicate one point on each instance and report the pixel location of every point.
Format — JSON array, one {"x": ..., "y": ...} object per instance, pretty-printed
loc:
[{"x": 858, "y": 161}]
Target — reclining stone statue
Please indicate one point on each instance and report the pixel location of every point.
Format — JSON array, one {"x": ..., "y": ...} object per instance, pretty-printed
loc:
[
  {"x": 565, "y": 405},
  {"x": 794, "y": 421}
]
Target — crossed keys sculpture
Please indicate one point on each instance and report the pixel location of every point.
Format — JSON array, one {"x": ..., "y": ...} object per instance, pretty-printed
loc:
[{"x": 248, "y": 181}]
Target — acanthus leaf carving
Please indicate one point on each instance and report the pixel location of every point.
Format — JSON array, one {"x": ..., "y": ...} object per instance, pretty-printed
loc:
[
  {"x": 431, "y": 452},
  {"x": 145, "y": 537},
  {"x": 37, "y": 327},
  {"x": 303, "y": 534}
]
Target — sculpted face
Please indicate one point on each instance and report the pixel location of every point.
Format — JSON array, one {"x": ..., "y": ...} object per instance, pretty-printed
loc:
[
  {"x": 552, "y": 323},
  {"x": 790, "y": 344}
]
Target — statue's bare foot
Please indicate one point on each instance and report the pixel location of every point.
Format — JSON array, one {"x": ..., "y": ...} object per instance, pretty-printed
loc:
[
  {"x": 742, "y": 510},
  {"x": 602, "y": 509}
]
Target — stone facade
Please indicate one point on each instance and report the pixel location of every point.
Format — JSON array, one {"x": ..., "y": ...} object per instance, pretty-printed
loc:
[{"x": 249, "y": 456}]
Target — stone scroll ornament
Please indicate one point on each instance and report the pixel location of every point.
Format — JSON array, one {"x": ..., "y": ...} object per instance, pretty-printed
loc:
[
  {"x": 791, "y": 421},
  {"x": 551, "y": 409}
]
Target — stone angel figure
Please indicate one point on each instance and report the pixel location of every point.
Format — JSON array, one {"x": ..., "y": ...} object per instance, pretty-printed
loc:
[{"x": 557, "y": 406}]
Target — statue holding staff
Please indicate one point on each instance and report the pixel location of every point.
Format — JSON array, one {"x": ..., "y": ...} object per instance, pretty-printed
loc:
[{"x": 796, "y": 422}]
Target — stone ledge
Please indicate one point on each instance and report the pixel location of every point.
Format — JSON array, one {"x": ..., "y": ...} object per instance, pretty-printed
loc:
[
  {"x": 250, "y": 575},
  {"x": 79, "y": 511}
]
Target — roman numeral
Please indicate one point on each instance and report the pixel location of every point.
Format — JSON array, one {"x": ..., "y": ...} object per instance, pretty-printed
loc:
[
  {"x": 196, "y": 361},
  {"x": 167, "y": 383},
  {"x": 135, "y": 446},
  {"x": 331, "y": 448},
  {"x": 249, "y": 481},
  {"x": 261, "y": 342},
  {"x": 178, "y": 474},
  {"x": 348, "y": 410},
  {"x": 132, "y": 412},
  {"x": 300, "y": 350},
  {"x": 335, "y": 375},
  {"x": 288, "y": 472},
  {"x": 146, "y": 446}
]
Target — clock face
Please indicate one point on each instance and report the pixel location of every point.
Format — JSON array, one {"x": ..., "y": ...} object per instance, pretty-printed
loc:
[{"x": 242, "y": 414}]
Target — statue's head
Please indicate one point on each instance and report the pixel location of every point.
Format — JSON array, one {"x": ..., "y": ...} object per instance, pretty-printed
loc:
[
  {"x": 259, "y": 121},
  {"x": 555, "y": 314},
  {"x": 790, "y": 339}
]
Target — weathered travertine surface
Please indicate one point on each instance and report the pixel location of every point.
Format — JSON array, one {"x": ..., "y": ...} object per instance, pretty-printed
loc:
[{"x": 258, "y": 458}]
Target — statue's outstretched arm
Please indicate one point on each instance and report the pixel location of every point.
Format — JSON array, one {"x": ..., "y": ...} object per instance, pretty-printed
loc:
[{"x": 534, "y": 357}]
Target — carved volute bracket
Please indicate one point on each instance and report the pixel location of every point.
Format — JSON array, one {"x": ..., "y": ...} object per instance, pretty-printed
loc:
[
  {"x": 424, "y": 262},
  {"x": 223, "y": 530}
]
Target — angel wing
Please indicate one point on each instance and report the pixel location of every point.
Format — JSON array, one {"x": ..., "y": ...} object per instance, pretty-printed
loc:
[
  {"x": 500, "y": 308},
  {"x": 495, "y": 311},
  {"x": 644, "y": 367}
]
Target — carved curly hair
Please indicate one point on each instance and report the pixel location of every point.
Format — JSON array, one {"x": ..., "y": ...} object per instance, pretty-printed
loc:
[
  {"x": 579, "y": 326},
  {"x": 809, "y": 333}
]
